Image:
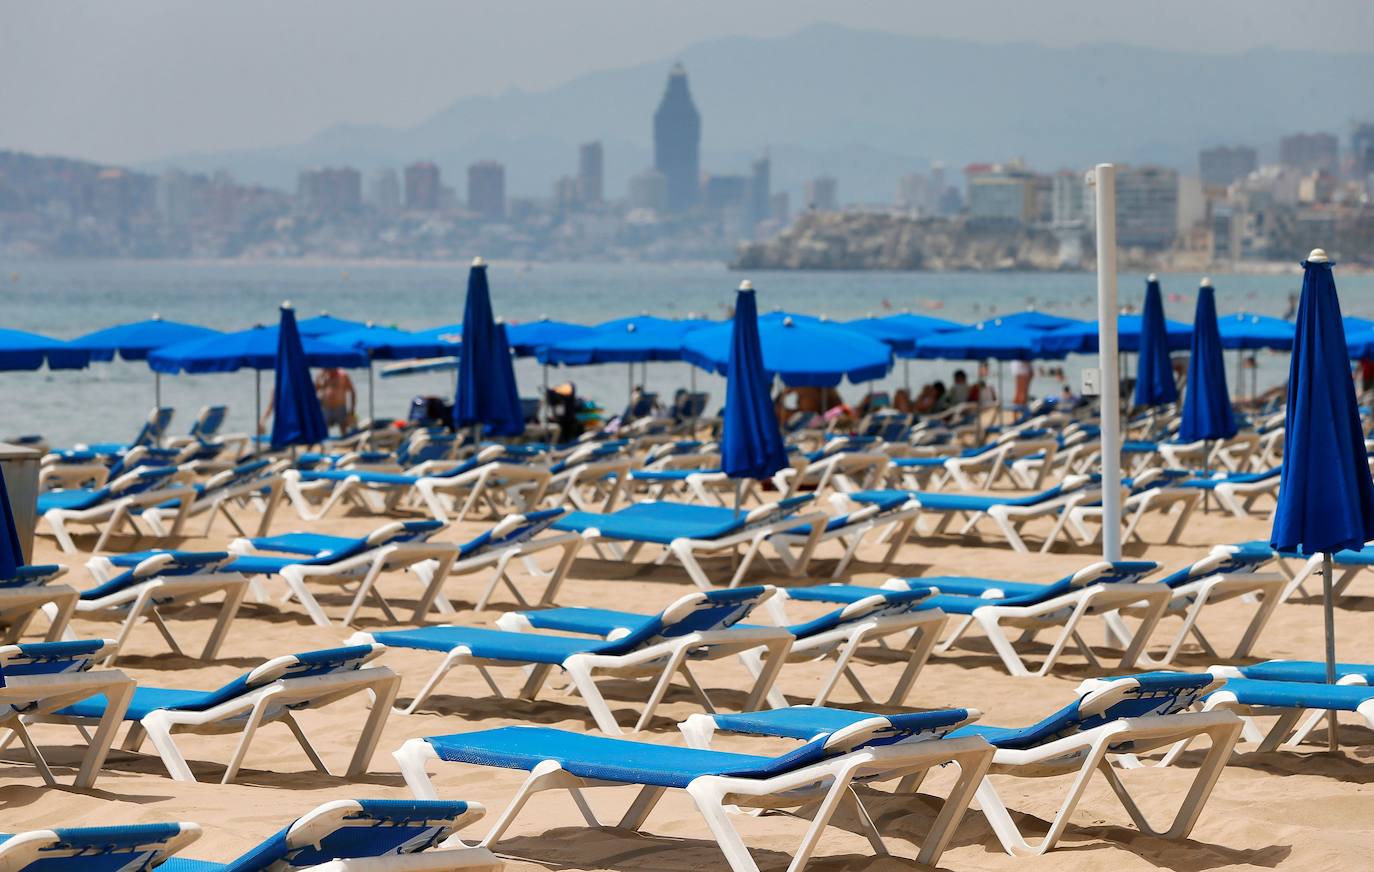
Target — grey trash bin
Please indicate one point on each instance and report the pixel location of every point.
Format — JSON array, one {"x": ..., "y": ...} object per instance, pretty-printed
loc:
[{"x": 20, "y": 466}]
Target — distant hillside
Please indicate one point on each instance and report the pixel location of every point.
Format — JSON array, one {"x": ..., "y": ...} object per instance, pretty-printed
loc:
[{"x": 868, "y": 107}]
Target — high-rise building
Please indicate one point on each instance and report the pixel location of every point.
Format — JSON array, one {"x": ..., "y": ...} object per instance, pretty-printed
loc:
[
  {"x": 1146, "y": 206},
  {"x": 487, "y": 189},
  {"x": 1222, "y": 165},
  {"x": 422, "y": 187},
  {"x": 721, "y": 191},
  {"x": 1001, "y": 194},
  {"x": 677, "y": 142},
  {"x": 761, "y": 189},
  {"x": 567, "y": 193},
  {"x": 1067, "y": 193},
  {"x": 590, "y": 173},
  {"x": 649, "y": 190},
  {"x": 330, "y": 190},
  {"x": 912, "y": 192},
  {"x": 1362, "y": 150},
  {"x": 384, "y": 190},
  {"x": 1310, "y": 151},
  {"x": 822, "y": 194}
]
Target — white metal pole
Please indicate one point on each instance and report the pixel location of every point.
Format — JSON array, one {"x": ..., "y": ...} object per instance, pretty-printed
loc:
[
  {"x": 371, "y": 412},
  {"x": 1105, "y": 182}
]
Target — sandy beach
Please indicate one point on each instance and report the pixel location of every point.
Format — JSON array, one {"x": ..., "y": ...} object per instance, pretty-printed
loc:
[{"x": 1311, "y": 810}]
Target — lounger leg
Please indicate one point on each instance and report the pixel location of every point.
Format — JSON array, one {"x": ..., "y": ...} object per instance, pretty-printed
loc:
[
  {"x": 1263, "y": 613},
  {"x": 384, "y": 695},
  {"x": 921, "y": 644},
  {"x": 709, "y": 800},
  {"x": 956, "y": 634},
  {"x": 777, "y": 651},
  {"x": 57, "y": 522},
  {"x": 660, "y": 688},
  {"x": 233, "y": 601},
  {"x": 683, "y": 552},
  {"x": 591, "y": 695},
  {"x": 973, "y": 769},
  {"x": 538, "y": 780},
  {"x": 433, "y": 574},
  {"x": 367, "y": 586},
  {"x": 560, "y": 571},
  {"x": 870, "y": 828},
  {"x": 304, "y": 742},
  {"x": 639, "y": 810},
  {"x": 21, "y": 732},
  {"x": 159, "y": 730},
  {"x": 250, "y": 728},
  {"x": 839, "y": 790},
  {"x": 296, "y": 583},
  {"x": 424, "y": 692},
  {"x": 1002, "y": 645},
  {"x": 63, "y": 606},
  {"x": 1224, "y": 739}
]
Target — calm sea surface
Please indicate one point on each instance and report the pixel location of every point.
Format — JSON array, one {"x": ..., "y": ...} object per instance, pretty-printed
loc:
[{"x": 108, "y": 401}]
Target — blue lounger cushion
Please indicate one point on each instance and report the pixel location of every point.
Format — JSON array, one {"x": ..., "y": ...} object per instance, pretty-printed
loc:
[
  {"x": 668, "y": 474},
  {"x": 1313, "y": 671},
  {"x": 75, "y": 499},
  {"x": 661, "y": 522},
  {"x": 31, "y": 576},
  {"x": 492, "y": 644},
  {"x": 1299, "y": 694},
  {"x": 958, "y": 502},
  {"x": 182, "y": 563}
]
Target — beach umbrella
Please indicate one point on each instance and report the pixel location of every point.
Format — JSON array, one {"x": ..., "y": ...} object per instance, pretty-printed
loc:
[
  {"x": 21, "y": 350},
  {"x": 11, "y": 551},
  {"x": 1206, "y": 403},
  {"x": 297, "y": 418},
  {"x": 993, "y": 339},
  {"x": 1082, "y": 338},
  {"x": 1247, "y": 330},
  {"x": 486, "y": 392},
  {"x": 1031, "y": 319},
  {"x": 136, "y": 339},
  {"x": 388, "y": 343},
  {"x": 750, "y": 443},
  {"x": 324, "y": 324},
  {"x": 1353, "y": 324},
  {"x": 1326, "y": 498},
  {"x": 638, "y": 339},
  {"x": 528, "y": 337},
  {"x": 900, "y": 333},
  {"x": 1154, "y": 377},
  {"x": 801, "y": 350}
]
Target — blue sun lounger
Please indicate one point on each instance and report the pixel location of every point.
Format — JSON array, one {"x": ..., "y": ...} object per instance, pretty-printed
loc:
[
  {"x": 43, "y": 677},
  {"x": 838, "y": 634},
  {"x": 116, "y": 504},
  {"x": 255, "y": 481},
  {"x": 123, "y": 847},
  {"x": 685, "y": 531},
  {"x": 1297, "y": 693},
  {"x": 1347, "y": 563},
  {"x": 697, "y": 627},
  {"x": 1133, "y": 714},
  {"x": 25, "y": 594},
  {"x": 993, "y": 605},
  {"x": 267, "y": 694},
  {"x": 149, "y": 435},
  {"x": 386, "y": 835},
  {"x": 818, "y": 775}
]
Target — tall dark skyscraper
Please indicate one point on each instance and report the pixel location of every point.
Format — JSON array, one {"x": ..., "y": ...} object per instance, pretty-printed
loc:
[{"x": 677, "y": 142}]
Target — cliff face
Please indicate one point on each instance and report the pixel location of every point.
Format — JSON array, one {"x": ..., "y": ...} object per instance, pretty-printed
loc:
[{"x": 879, "y": 241}]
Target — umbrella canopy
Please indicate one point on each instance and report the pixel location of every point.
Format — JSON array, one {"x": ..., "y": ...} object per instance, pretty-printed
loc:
[
  {"x": 801, "y": 350},
  {"x": 1248, "y": 330},
  {"x": 324, "y": 324},
  {"x": 1082, "y": 338},
  {"x": 1154, "y": 380},
  {"x": 624, "y": 340},
  {"x": 1034, "y": 320},
  {"x": 255, "y": 348},
  {"x": 750, "y": 443},
  {"x": 134, "y": 340},
  {"x": 297, "y": 418},
  {"x": 1354, "y": 324},
  {"x": 389, "y": 343},
  {"x": 486, "y": 392},
  {"x": 994, "y": 338},
  {"x": 11, "y": 552},
  {"x": 526, "y": 339},
  {"x": 900, "y": 332},
  {"x": 22, "y": 350},
  {"x": 1206, "y": 402}
]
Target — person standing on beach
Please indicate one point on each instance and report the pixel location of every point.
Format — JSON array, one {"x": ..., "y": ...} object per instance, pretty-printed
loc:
[{"x": 338, "y": 398}]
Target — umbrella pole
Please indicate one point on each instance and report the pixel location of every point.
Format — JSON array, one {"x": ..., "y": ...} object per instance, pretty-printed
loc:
[
  {"x": 545, "y": 403},
  {"x": 692, "y": 396},
  {"x": 1329, "y": 616},
  {"x": 257, "y": 410},
  {"x": 998, "y": 399},
  {"x": 371, "y": 415},
  {"x": 157, "y": 390},
  {"x": 906, "y": 375},
  {"x": 630, "y": 386}
]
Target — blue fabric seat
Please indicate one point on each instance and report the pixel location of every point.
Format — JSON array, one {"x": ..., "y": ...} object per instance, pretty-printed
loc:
[
  {"x": 1313, "y": 671},
  {"x": 1299, "y": 694},
  {"x": 658, "y": 522},
  {"x": 75, "y": 498}
]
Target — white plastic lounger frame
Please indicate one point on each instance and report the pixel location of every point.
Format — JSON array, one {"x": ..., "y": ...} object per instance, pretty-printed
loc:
[
  {"x": 998, "y": 461},
  {"x": 844, "y": 471},
  {"x": 1291, "y": 724},
  {"x": 118, "y": 511},
  {"x": 591, "y": 485},
  {"x": 430, "y": 561},
  {"x": 895, "y": 526},
  {"x": 220, "y": 492},
  {"x": 146, "y": 599},
  {"x": 1160, "y": 499},
  {"x": 69, "y": 848},
  {"x": 28, "y": 695},
  {"x": 20, "y": 603},
  {"x": 271, "y": 695},
  {"x": 1010, "y": 517},
  {"x": 1066, "y": 612},
  {"x": 824, "y": 786}
]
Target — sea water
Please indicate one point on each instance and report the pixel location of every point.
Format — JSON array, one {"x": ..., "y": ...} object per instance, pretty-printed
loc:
[{"x": 109, "y": 400}]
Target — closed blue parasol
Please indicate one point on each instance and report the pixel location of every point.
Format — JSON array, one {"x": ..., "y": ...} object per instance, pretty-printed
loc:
[
  {"x": 1326, "y": 498},
  {"x": 750, "y": 444},
  {"x": 1206, "y": 402},
  {"x": 297, "y": 418},
  {"x": 23, "y": 350},
  {"x": 1154, "y": 378},
  {"x": 801, "y": 350},
  {"x": 486, "y": 394}
]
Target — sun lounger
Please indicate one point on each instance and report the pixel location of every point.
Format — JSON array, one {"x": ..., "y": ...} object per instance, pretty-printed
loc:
[
  {"x": 838, "y": 634},
  {"x": 687, "y": 531},
  {"x": 268, "y": 694},
  {"x": 999, "y": 457},
  {"x": 96, "y": 849},
  {"x": 838, "y": 467},
  {"x": 698, "y": 626},
  {"x": 46, "y": 676},
  {"x": 1346, "y": 565},
  {"x": 23, "y": 596},
  {"x": 256, "y": 481},
  {"x": 313, "y": 558},
  {"x": 154, "y": 581},
  {"x": 364, "y": 835},
  {"x": 357, "y": 480},
  {"x": 1152, "y": 491},
  {"x": 1294, "y": 691},
  {"x": 592, "y": 478},
  {"x": 1238, "y": 491},
  {"x": 149, "y": 435},
  {"x": 1009, "y": 514},
  {"x": 1111, "y": 716},
  {"x": 892, "y": 518},
  {"x": 817, "y": 775},
  {"x": 116, "y": 504}
]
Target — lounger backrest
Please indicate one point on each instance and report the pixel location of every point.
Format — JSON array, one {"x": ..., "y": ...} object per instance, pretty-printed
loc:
[
  {"x": 140, "y": 481},
  {"x": 162, "y": 564},
  {"x": 209, "y": 422},
  {"x": 32, "y": 576},
  {"x": 401, "y": 532},
  {"x": 239, "y": 475},
  {"x": 694, "y": 613},
  {"x": 881, "y": 604},
  {"x": 50, "y": 658},
  {"x": 512, "y": 530},
  {"x": 127, "y": 848},
  {"x": 883, "y": 730},
  {"x": 352, "y": 829},
  {"x": 1102, "y": 572},
  {"x": 1222, "y": 561},
  {"x": 306, "y": 665}
]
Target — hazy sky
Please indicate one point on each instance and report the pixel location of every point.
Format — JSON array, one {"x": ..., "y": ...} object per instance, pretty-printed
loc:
[{"x": 131, "y": 80}]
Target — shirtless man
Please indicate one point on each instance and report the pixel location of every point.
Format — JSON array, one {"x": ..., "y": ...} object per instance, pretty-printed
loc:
[{"x": 338, "y": 398}]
